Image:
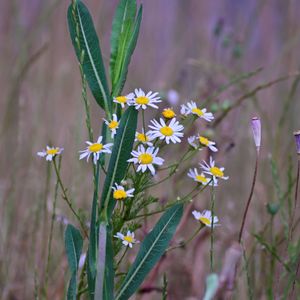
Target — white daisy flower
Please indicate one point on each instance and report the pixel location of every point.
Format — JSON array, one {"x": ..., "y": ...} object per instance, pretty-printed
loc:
[
  {"x": 128, "y": 239},
  {"x": 142, "y": 100},
  {"x": 168, "y": 113},
  {"x": 206, "y": 218},
  {"x": 146, "y": 158},
  {"x": 212, "y": 170},
  {"x": 120, "y": 193},
  {"x": 122, "y": 100},
  {"x": 207, "y": 143},
  {"x": 203, "y": 142},
  {"x": 95, "y": 149},
  {"x": 191, "y": 108},
  {"x": 113, "y": 125},
  {"x": 50, "y": 152},
  {"x": 193, "y": 173},
  {"x": 143, "y": 138},
  {"x": 170, "y": 132}
]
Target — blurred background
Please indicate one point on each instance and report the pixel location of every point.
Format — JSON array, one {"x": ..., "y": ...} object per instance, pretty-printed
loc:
[{"x": 196, "y": 49}]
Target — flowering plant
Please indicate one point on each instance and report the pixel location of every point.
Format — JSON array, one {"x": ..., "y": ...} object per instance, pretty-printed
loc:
[{"x": 128, "y": 159}]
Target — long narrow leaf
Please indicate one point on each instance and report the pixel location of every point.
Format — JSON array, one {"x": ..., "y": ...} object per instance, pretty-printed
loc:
[
  {"x": 126, "y": 46},
  {"x": 152, "y": 248},
  {"x": 73, "y": 245},
  {"x": 124, "y": 17},
  {"x": 120, "y": 154},
  {"x": 84, "y": 38}
]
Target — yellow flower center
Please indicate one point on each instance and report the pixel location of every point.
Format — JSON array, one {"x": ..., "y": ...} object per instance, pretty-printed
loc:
[
  {"x": 119, "y": 194},
  {"x": 201, "y": 178},
  {"x": 96, "y": 147},
  {"x": 168, "y": 113},
  {"x": 197, "y": 111},
  {"x": 205, "y": 221},
  {"x": 216, "y": 172},
  {"x": 121, "y": 99},
  {"x": 141, "y": 137},
  {"x": 128, "y": 239},
  {"x": 203, "y": 140},
  {"x": 145, "y": 158},
  {"x": 166, "y": 130},
  {"x": 142, "y": 100},
  {"x": 113, "y": 124},
  {"x": 52, "y": 151}
]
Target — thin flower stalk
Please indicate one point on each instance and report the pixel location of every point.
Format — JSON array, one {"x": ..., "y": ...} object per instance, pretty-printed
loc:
[
  {"x": 256, "y": 130},
  {"x": 68, "y": 201}
]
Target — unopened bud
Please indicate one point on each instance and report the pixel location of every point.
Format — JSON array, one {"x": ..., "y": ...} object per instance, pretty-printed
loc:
[
  {"x": 256, "y": 130},
  {"x": 297, "y": 139}
]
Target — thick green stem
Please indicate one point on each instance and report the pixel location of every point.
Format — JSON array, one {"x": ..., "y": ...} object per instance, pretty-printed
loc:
[{"x": 101, "y": 261}]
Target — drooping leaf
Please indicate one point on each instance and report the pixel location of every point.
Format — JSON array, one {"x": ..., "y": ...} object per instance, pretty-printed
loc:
[
  {"x": 117, "y": 167},
  {"x": 85, "y": 39},
  {"x": 152, "y": 248},
  {"x": 126, "y": 44},
  {"x": 73, "y": 245}
]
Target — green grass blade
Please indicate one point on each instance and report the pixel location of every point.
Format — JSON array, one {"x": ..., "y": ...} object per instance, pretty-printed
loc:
[
  {"x": 124, "y": 17},
  {"x": 127, "y": 44},
  {"x": 84, "y": 38},
  {"x": 152, "y": 248},
  {"x": 73, "y": 245},
  {"x": 122, "y": 148}
]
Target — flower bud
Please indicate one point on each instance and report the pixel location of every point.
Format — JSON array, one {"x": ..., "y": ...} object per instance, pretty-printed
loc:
[
  {"x": 256, "y": 130},
  {"x": 297, "y": 139}
]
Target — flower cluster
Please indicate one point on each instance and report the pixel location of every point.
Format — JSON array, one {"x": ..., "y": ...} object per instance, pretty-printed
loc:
[{"x": 145, "y": 155}]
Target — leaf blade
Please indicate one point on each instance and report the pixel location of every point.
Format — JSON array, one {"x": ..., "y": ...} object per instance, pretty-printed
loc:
[
  {"x": 73, "y": 246},
  {"x": 82, "y": 32},
  {"x": 150, "y": 251},
  {"x": 125, "y": 14},
  {"x": 120, "y": 154}
]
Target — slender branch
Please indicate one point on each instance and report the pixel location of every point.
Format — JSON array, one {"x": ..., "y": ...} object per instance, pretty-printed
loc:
[
  {"x": 212, "y": 229},
  {"x": 250, "y": 197},
  {"x": 184, "y": 243},
  {"x": 68, "y": 201}
]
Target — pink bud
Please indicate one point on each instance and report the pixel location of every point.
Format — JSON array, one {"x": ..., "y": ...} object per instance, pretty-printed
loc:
[
  {"x": 256, "y": 129},
  {"x": 297, "y": 139}
]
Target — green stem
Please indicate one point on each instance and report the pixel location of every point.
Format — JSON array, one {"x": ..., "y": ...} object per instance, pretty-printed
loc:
[
  {"x": 66, "y": 198},
  {"x": 212, "y": 229},
  {"x": 183, "y": 244},
  {"x": 51, "y": 233}
]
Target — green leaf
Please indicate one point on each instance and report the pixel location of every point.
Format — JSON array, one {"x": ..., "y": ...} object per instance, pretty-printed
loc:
[
  {"x": 123, "y": 144},
  {"x": 73, "y": 245},
  {"x": 152, "y": 248},
  {"x": 126, "y": 45},
  {"x": 84, "y": 38},
  {"x": 124, "y": 17}
]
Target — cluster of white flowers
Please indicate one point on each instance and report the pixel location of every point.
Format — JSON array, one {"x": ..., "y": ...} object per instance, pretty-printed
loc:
[{"x": 145, "y": 155}]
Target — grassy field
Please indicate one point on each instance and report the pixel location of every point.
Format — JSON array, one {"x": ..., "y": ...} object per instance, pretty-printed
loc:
[{"x": 240, "y": 58}]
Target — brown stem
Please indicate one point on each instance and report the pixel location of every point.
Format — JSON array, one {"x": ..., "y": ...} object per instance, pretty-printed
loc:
[{"x": 250, "y": 196}]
